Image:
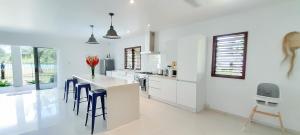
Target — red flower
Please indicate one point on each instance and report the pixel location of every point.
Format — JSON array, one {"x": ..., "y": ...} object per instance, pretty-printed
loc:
[{"x": 92, "y": 61}]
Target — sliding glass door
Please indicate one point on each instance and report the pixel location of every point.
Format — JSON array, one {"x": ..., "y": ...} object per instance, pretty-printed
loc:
[
  {"x": 45, "y": 68},
  {"x": 27, "y": 67},
  {"x": 6, "y": 74},
  {"x": 28, "y": 72}
]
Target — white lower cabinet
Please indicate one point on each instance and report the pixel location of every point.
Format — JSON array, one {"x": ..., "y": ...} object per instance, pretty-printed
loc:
[
  {"x": 186, "y": 94},
  {"x": 155, "y": 92},
  {"x": 155, "y": 87},
  {"x": 172, "y": 91},
  {"x": 155, "y": 84},
  {"x": 163, "y": 88},
  {"x": 169, "y": 90}
]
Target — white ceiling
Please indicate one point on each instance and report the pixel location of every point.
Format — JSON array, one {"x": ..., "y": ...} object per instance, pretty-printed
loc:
[{"x": 73, "y": 17}]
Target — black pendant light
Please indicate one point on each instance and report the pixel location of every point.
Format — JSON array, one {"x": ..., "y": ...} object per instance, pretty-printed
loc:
[
  {"x": 92, "y": 39},
  {"x": 111, "y": 33}
]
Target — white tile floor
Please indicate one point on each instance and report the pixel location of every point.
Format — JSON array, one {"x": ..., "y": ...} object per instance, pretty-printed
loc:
[{"x": 45, "y": 113}]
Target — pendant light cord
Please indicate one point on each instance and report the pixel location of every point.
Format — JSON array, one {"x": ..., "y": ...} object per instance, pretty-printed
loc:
[
  {"x": 111, "y": 20},
  {"x": 111, "y": 15},
  {"x": 92, "y": 26}
]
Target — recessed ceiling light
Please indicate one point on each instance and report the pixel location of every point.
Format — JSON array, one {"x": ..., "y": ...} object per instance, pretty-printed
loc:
[
  {"x": 128, "y": 31},
  {"x": 148, "y": 25},
  {"x": 131, "y": 1}
]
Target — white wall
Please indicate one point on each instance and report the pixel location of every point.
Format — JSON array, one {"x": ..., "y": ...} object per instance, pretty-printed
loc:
[
  {"x": 17, "y": 66},
  {"x": 117, "y": 49},
  {"x": 71, "y": 51},
  {"x": 266, "y": 27}
]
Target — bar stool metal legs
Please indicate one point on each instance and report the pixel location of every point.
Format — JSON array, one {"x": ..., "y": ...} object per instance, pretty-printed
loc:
[
  {"x": 77, "y": 100},
  {"x": 103, "y": 107},
  {"x": 93, "y": 95},
  {"x": 67, "y": 87},
  {"x": 94, "y": 105}
]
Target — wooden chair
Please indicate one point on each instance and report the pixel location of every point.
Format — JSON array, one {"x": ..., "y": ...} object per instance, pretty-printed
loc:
[{"x": 267, "y": 96}]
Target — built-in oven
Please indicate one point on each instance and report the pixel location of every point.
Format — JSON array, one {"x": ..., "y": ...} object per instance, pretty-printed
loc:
[
  {"x": 143, "y": 79},
  {"x": 143, "y": 83}
]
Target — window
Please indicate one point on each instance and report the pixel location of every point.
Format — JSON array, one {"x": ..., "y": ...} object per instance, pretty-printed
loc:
[
  {"x": 229, "y": 55},
  {"x": 132, "y": 58}
]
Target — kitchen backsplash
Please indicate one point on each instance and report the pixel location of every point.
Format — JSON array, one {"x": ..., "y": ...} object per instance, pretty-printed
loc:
[{"x": 151, "y": 63}]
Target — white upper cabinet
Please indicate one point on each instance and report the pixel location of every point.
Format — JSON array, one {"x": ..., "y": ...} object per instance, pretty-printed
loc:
[
  {"x": 171, "y": 51},
  {"x": 187, "y": 55}
]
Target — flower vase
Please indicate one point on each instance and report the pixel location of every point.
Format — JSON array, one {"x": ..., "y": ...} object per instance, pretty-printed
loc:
[{"x": 93, "y": 72}]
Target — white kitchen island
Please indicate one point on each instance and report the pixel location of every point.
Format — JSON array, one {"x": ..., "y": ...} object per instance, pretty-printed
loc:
[{"x": 122, "y": 102}]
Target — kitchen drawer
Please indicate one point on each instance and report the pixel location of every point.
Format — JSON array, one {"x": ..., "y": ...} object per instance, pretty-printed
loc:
[
  {"x": 155, "y": 92},
  {"x": 151, "y": 78},
  {"x": 155, "y": 84}
]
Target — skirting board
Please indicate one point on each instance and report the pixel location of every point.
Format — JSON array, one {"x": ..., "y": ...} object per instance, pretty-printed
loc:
[{"x": 255, "y": 121}]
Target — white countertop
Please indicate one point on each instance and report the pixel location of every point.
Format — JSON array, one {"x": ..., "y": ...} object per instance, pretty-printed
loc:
[
  {"x": 104, "y": 81},
  {"x": 164, "y": 77}
]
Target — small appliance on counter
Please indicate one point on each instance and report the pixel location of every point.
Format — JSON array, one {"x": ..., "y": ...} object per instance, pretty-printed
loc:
[
  {"x": 106, "y": 65},
  {"x": 170, "y": 71},
  {"x": 173, "y": 72},
  {"x": 173, "y": 64},
  {"x": 166, "y": 71},
  {"x": 160, "y": 71}
]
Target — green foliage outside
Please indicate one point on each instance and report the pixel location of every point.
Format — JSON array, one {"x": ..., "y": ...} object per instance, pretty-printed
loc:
[
  {"x": 46, "y": 56},
  {"x": 27, "y": 55},
  {"x": 4, "y": 83},
  {"x": 4, "y": 57},
  {"x": 31, "y": 82}
]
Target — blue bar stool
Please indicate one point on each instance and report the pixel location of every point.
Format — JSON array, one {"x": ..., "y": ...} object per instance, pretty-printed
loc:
[
  {"x": 67, "y": 87},
  {"x": 93, "y": 95},
  {"x": 78, "y": 89}
]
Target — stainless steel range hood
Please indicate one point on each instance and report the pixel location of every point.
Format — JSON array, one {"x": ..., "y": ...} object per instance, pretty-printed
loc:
[{"x": 149, "y": 43}]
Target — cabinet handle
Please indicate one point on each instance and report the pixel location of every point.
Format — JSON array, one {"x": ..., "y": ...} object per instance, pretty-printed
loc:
[
  {"x": 154, "y": 88},
  {"x": 186, "y": 81},
  {"x": 154, "y": 80}
]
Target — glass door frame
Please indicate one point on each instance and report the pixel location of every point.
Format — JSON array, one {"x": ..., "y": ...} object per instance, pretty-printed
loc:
[{"x": 37, "y": 67}]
